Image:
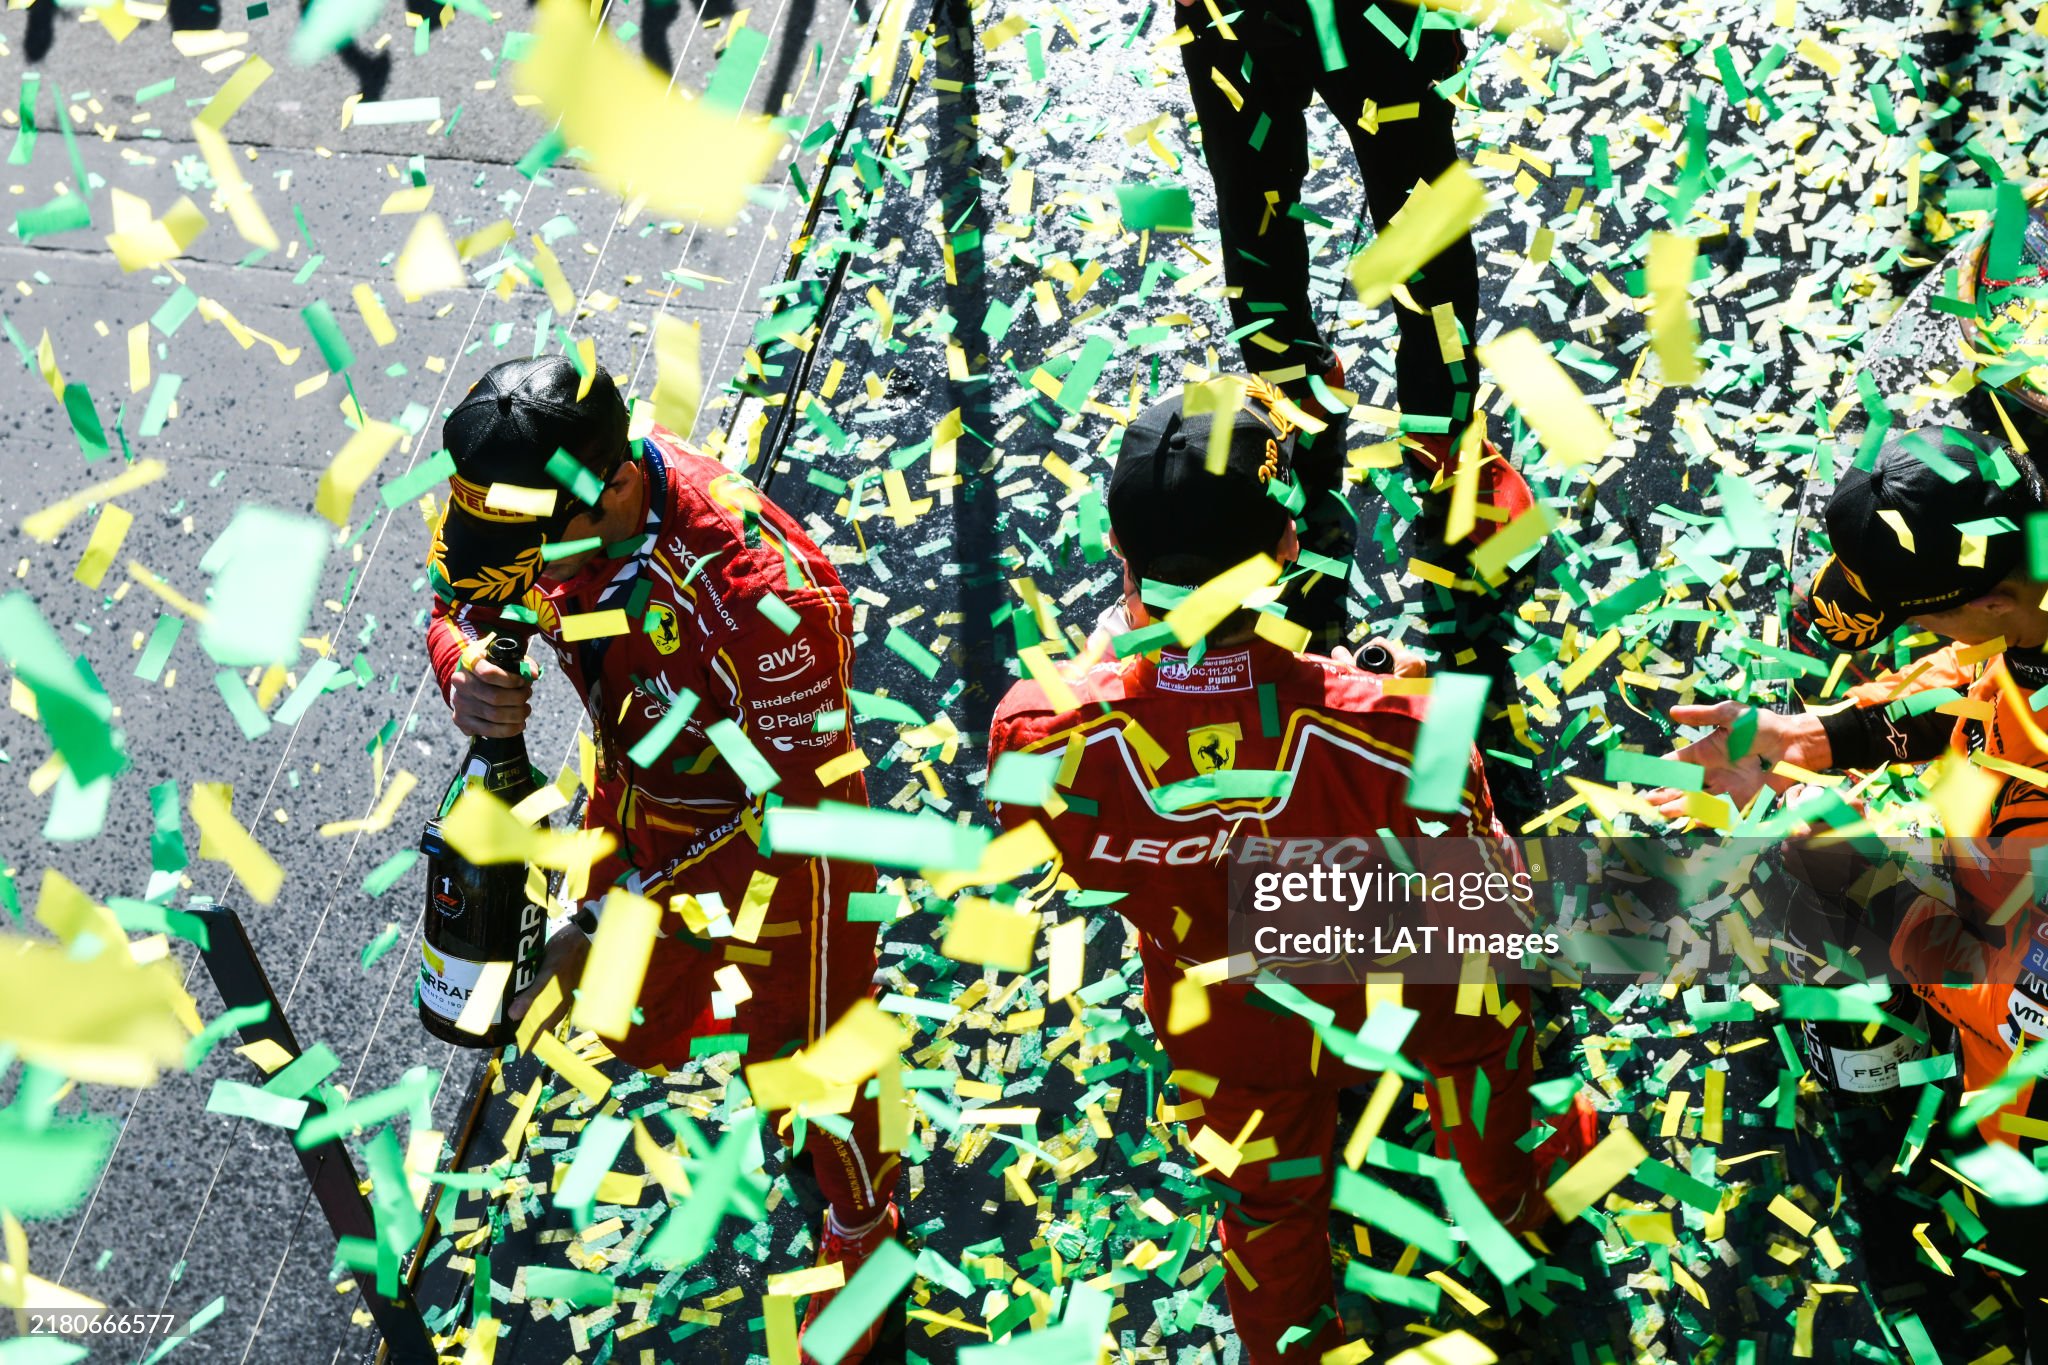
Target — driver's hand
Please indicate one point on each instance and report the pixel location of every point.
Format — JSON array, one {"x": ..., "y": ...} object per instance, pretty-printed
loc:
[
  {"x": 490, "y": 702},
  {"x": 1407, "y": 663},
  {"x": 561, "y": 960},
  {"x": 1795, "y": 739}
]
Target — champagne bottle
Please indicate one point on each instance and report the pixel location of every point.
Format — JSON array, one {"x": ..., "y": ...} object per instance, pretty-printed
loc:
[{"x": 476, "y": 915}]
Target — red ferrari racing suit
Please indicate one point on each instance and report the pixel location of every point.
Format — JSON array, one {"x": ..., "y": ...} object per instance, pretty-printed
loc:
[
  {"x": 725, "y": 605},
  {"x": 1348, "y": 744}
]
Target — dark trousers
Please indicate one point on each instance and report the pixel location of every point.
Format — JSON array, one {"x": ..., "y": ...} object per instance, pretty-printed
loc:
[{"x": 1276, "y": 65}]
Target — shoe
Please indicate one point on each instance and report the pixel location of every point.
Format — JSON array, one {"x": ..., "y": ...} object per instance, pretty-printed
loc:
[
  {"x": 1501, "y": 485},
  {"x": 1574, "y": 1133},
  {"x": 851, "y": 1250}
]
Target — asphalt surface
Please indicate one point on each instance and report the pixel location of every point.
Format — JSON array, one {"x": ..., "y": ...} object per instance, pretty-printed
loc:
[{"x": 195, "y": 1206}]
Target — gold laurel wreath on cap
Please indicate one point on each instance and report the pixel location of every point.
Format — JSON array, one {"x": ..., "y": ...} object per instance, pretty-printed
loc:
[
  {"x": 1271, "y": 399},
  {"x": 1844, "y": 627},
  {"x": 500, "y": 583}
]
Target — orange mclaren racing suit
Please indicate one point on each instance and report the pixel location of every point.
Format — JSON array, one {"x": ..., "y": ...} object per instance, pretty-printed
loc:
[
  {"x": 728, "y": 607},
  {"x": 1980, "y": 956},
  {"x": 1348, "y": 745}
]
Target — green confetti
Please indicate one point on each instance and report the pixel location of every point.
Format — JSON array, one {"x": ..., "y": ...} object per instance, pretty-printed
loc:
[
  {"x": 163, "y": 638},
  {"x": 329, "y": 25},
  {"x": 837, "y": 830},
  {"x": 737, "y": 66},
  {"x": 570, "y": 472},
  {"x": 1626, "y": 765},
  {"x": 426, "y": 476},
  {"x": 68, "y": 212},
  {"x": 1154, "y": 208},
  {"x": 74, "y": 713},
  {"x": 1443, "y": 750},
  {"x": 85, "y": 422},
  {"x": 326, "y": 333},
  {"x": 652, "y": 745},
  {"x": 237, "y": 1100},
  {"x": 386, "y": 939},
  {"x": 885, "y": 1274},
  {"x": 899, "y": 643},
  {"x": 739, "y": 752},
  {"x": 218, "y": 1028},
  {"x": 1023, "y": 779}
]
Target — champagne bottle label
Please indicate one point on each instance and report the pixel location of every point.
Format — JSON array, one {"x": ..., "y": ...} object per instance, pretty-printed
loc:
[
  {"x": 1872, "y": 1071},
  {"x": 446, "y": 983}
]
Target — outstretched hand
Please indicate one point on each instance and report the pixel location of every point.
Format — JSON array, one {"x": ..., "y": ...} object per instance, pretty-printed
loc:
[{"x": 1740, "y": 750}]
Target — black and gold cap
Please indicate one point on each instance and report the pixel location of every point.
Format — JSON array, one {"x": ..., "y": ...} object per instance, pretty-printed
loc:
[
  {"x": 1177, "y": 521},
  {"x": 527, "y": 442},
  {"x": 1939, "y": 519}
]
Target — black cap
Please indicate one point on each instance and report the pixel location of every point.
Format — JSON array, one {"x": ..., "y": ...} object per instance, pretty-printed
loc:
[
  {"x": 1939, "y": 519},
  {"x": 506, "y": 431},
  {"x": 1176, "y": 522}
]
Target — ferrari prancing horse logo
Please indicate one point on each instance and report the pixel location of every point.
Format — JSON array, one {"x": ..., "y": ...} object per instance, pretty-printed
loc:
[
  {"x": 661, "y": 628},
  {"x": 1212, "y": 748}
]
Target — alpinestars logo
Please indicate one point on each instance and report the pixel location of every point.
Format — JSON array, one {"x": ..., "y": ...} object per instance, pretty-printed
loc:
[{"x": 791, "y": 661}]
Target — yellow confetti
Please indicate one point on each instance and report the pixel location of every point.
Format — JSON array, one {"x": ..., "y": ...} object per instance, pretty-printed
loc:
[
  {"x": 678, "y": 373},
  {"x": 481, "y": 1009},
  {"x": 644, "y": 140},
  {"x": 223, "y": 838},
  {"x": 1431, "y": 220},
  {"x": 381, "y": 815},
  {"x": 560, "y": 296},
  {"x": 1668, "y": 272},
  {"x": 1216, "y": 1150},
  {"x": 103, "y": 1020},
  {"x": 235, "y": 191},
  {"x": 485, "y": 239},
  {"x": 1010, "y": 854},
  {"x": 234, "y": 93},
  {"x": 512, "y": 497},
  {"x": 988, "y": 934},
  {"x": 1571, "y": 431},
  {"x": 140, "y": 242},
  {"x": 427, "y": 263},
  {"x": 878, "y": 62},
  {"x": 138, "y": 357},
  {"x": 617, "y": 965},
  {"x": 351, "y": 467},
  {"x": 592, "y": 625},
  {"x": 411, "y": 199},
  {"x": 107, "y": 535},
  {"x": 371, "y": 308},
  {"x": 46, "y": 365},
  {"x": 482, "y": 829},
  {"x": 1452, "y": 1348},
  {"x": 1202, "y": 610},
  {"x": 1597, "y": 1172},
  {"x": 571, "y": 1068}
]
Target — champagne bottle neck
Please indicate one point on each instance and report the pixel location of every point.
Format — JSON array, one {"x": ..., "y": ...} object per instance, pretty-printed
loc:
[
  {"x": 500, "y": 766},
  {"x": 494, "y": 750}
]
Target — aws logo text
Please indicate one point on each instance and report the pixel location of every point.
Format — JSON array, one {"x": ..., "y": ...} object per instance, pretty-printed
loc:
[{"x": 791, "y": 661}]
